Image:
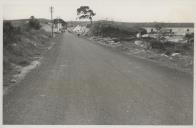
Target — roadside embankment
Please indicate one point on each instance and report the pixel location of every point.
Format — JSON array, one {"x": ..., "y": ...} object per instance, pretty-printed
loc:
[
  {"x": 23, "y": 48},
  {"x": 177, "y": 55}
]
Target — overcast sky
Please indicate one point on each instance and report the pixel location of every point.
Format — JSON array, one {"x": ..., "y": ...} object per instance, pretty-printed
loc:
[{"x": 117, "y": 10}]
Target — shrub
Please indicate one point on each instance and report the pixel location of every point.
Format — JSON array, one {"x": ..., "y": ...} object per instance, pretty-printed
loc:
[
  {"x": 112, "y": 29},
  {"x": 34, "y": 23},
  {"x": 189, "y": 37},
  {"x": 156, "y": 44}
]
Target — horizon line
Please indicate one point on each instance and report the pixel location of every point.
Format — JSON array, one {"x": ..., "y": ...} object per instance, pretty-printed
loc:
[{"x": 106, "y": 20}]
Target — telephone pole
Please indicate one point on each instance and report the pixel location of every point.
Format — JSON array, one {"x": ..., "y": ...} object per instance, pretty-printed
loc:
[{"x": 51, "y": 11}]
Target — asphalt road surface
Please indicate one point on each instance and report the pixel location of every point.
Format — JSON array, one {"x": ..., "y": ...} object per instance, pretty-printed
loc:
[{"x": 80, "y": 82}]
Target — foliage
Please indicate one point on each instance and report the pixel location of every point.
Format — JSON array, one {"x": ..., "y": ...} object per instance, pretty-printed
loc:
[
  {"x": 169, "y": 47},
  {"x": 84, "y": 12},
  {"x": 34, "y": 23},
  {"x": 158, "y": 27},
  {"x": 111, "y": 29},
  {"x": 189, "y": 37}
]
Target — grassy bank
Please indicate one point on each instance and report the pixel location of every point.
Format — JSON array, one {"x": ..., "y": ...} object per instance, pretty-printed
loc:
[{"x": 22, "y": 44}]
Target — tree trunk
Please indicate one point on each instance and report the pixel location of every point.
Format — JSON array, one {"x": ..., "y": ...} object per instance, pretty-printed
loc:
[{"x": 91, "y": 20}]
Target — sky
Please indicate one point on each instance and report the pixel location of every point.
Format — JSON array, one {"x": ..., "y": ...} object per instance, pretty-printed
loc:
[{"x": 117, "y": 10}]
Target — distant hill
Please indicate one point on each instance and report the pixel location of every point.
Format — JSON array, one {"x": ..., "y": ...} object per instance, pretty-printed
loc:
[
  {"x": 128, "y": 24},
  {"x": 153, "y": 24},
  {"x": 20, "y": 22},
  {"x": 139, "y": 24}
]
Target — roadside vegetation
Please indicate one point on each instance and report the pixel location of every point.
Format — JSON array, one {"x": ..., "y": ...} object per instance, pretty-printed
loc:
[
  {"x": 110, "y": 29},
  {"x": 23, "y": 42},
  {"x": 34, "y": 23},
  {"x": 157, "y": 46}
]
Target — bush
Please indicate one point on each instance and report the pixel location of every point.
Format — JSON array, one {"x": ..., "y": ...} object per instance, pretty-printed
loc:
[
  {"x": 156, "y": 44},
  {"x": 169, "y": 47},
  {"x": 34, "y": 23},
  {"x": 189, "y": 37}
]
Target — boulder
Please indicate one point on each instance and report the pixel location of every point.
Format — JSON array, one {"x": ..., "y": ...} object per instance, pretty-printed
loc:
[{"x": 139, "y": 43}]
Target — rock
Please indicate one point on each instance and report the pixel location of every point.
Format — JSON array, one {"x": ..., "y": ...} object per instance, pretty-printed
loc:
[
  {"x": 107, "y": 39},
  {"x": 115, "y": 39},
  {"x": 145, "y": 35},
  {"x": 138, "y": 35},
  {"x": 164, "y": 55},
  {"x": 13, "y": 81},
  {"x": 175, "y": 54},
  {"x": 111, "y": 41},
  {"x": 139, "y": 43}
]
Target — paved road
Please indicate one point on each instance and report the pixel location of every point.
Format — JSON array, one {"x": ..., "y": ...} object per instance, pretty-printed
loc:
[{"x": 80, "y": 82}]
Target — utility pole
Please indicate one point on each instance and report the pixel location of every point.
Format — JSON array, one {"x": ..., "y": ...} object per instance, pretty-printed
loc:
[{"x": 51, "y": 11}]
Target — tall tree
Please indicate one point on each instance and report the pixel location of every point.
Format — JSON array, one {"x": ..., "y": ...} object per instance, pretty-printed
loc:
[{"x": 84, "y": 12}]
